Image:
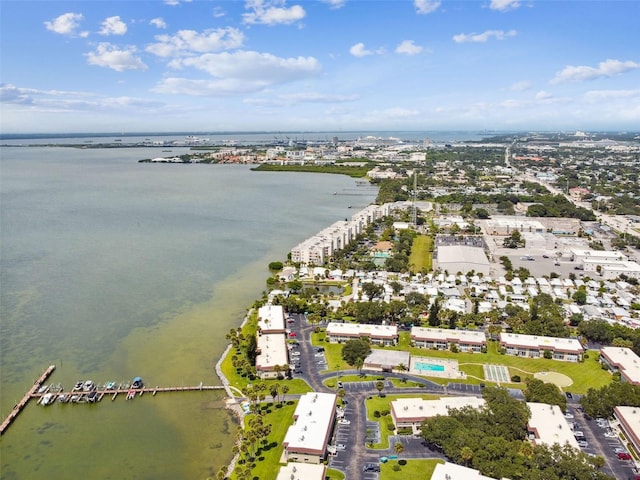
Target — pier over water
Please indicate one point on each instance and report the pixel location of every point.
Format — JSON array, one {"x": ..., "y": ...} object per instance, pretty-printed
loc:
[{"x": 36, "y": 392}]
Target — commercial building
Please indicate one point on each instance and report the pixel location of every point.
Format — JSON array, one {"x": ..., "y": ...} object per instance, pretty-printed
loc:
[
  {"x": 307, "y": 439},
  {"x": 623, "y": 360},
  {"x": 411, "y": 412},
  {"x": 302, "y": 471},
  {"x": 387, "y": 360},
  {"x": 377, "y": 334},
  {"x": 463, "y": 259},
  {"x": 534, "y": 346},
  {"x": 547, "y": 425},
  {"x": 442, "y": 338}
]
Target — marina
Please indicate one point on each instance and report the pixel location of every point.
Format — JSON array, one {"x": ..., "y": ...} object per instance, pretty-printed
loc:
[{"x": 88, "y": 392}]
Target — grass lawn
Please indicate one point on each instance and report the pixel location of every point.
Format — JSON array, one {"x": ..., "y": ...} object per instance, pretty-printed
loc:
[
  {"x": 280, "y": 419},
  {"x": 421, "y": 257},
  {"x": 585, "y": 374},
  {"x": 332, "y": 474},
  {"x": 415, "y": 468},
  {"x": 332, "y": 352}
]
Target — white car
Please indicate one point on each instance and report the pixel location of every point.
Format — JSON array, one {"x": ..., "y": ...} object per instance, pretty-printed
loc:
[
  {"x": 344, "y": 421},
  {"x": 568, "y": 415},
  {"x": 295, "y": 354}
]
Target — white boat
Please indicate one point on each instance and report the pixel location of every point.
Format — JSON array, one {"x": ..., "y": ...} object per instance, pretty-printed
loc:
[
  {"x": 88, "y": 386},
  {"x": 47, "y": 399}
]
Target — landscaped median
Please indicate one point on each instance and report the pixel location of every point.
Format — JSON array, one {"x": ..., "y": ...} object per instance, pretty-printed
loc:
[{"x": 413, "y": 468}]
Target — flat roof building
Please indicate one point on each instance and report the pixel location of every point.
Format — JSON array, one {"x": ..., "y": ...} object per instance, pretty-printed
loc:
[
  {"x": 452, "y": 471},
  {"x": 411, "y": 412},
  {"x": 302, "y": 471},
  {"x": 442, "y": 338},
  {"x": 623, "y": 360},
  {"x": 629, "y": 418},
  {"x": 386, "y": 360},
  {"x": 379, "y": 334},
  {"x": 307, "y": 439},
  {"x": 272, "y": 351},
  {"x": 271, "y": 319},
  {"x": 462, "y": 258},
  {"x": 547, "y": 425},
  {"x": 534, "y": 346}
]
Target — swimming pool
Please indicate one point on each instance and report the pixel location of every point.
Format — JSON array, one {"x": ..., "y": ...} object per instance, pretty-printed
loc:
[{"x": 429, "y": 367}]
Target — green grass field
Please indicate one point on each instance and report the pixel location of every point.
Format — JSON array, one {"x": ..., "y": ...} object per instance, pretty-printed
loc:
[
  {"x": 415, "y": 468},
  {"x": 266, "y": 465},
  {"x": 421, "y": 258}
]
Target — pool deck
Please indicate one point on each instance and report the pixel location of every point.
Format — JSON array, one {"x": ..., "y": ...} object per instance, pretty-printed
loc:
[{"x": 450, "y": 368}]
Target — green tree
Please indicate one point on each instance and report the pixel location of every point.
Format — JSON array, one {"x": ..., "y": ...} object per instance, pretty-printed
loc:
[
  {"x": 354, "y": 350},
  {"x": 379, "y": 387}
]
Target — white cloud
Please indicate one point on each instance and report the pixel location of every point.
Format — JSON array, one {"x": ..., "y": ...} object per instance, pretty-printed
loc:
[
  {"x": 606, "y": 95},
  {"x": 174, "y": 3},
  {"x": 218, "y": 12},
  {"x": 113, "y": 26},
  {"x": 255, "y": 68},
  {"x": 205, "y": 88},
  {"x": 407, "y": 47},
  {"x": 190, "y": 41},
  {"x": 272, "y": 12},
  {"x": 504, "y": 5},
  {"x": 118, "y": 59},
  {"x": 335, "y": 3},
  {"x": 520, "y": 86},
  {"x": 359, "y": 50},
  {"x": 608, "y": 68},
  {"x": 543, "y": 96},
  {"x": 66, "y": 24},
  {"x": 424, "y": 7},
  {"x": 300, "y": 98},
  {"x": 158, "y": 22},
  {"x": 484, "y": 36}
]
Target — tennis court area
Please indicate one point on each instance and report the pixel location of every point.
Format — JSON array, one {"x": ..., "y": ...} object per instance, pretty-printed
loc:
[{"x": 496, "y": 373}]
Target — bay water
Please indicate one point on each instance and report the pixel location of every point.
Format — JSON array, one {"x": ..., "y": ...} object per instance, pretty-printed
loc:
[{"x": 112, "y": 269}]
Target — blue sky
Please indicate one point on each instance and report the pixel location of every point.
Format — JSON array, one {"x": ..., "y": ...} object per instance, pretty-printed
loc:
[{"x": 324, "y": 65}]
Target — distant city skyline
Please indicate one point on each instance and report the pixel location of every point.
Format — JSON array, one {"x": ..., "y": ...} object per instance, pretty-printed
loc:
[{"x": 325, "y": 65}]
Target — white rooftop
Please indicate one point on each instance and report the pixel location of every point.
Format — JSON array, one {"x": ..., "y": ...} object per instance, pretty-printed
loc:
[
  {"x": 413, "y": 409},
  {"x": 451, "y": 471},
  {"x": 630, "y": 416},
  {"x": 301, "y": 471},
  {"x": 362, "y": 329},
  {"x": 271, "y": 317},
  {"x": 314, "y": 417},
  {"x": 473, "y": 336},
  {"x": 625, "y": 360},
  {"x": 550, "y": 425},
  {"x": 537, "y": 341},
  {"x": 273, "y": 351}
]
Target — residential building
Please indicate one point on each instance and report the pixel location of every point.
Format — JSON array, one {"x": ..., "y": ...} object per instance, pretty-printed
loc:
[
  {"x": 411, "y": 412},
  {"x": 463, "y": 259},
  {"x": 272, "y": 358},
  {"x": 623, "y": 360},
  {"x": 307, "y": 439},
  {"x": 548, "y": 425},
  {"x": 534, "y": 346},
  {"x": 452, "y": 471},
  {"x": 271, "y": 319},
  {"x": 377, "y": 334},
  {"x": 442, "y": 338},
  {"x": 302, "y": 471},
  {"x": 629, "y": 418}
]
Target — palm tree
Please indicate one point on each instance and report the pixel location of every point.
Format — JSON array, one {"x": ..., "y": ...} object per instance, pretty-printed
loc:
[
  {"x": 379, "y": 387},
  {"x": 398, "y": 448},
  {"x": 285, "y": 389},
  {"x": 359, "y": 364},
  {"x": 466, "y": 454}
]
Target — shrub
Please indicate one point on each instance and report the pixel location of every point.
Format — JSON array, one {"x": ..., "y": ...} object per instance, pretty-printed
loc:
[
  {"x": 376, "y": 413},
  {"x": 515, "y": 378},
  {"x": 402, "y": 462},
  {"x": 384, "y": 413},
  {"x": 396, "y": 468}
]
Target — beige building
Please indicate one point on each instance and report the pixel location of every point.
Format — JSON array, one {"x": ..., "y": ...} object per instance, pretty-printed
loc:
[
  {"x": 377, "y": 334},
  {"x": 623, "y": 360},
  {"x": 411, "y": 412},
  {"x": 442, "y": 338},
  {"x": 534, "y": 346}
]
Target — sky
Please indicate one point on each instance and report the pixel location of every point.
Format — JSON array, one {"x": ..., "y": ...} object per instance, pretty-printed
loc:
[{"x": 322, "y": 65}]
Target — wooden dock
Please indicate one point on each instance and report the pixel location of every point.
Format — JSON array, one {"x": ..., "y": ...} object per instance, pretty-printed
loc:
[
  {"x": 18, "y": 407},
  {"x": 98, "y": 394}
]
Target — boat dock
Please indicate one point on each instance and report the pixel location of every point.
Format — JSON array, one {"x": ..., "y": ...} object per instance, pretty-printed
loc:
[
  {"x": 40, "y": 390},
  {"x": 18, "y": 407}
]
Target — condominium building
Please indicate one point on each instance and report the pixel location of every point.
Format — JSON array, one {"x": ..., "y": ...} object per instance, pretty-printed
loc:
[
  {"x": 547, "y": 425},
  {"x": 623, "y": 360},
  {"x": 307, "y": 439},
  {"x": 272, "y": 359},
  {"x": 411, "y": 412},
  {"x": 534, "y": 346},
  {"x": 271, "y": 319},
  {"x": 377, "y": 334},
  {"x": 442, "y": 339}
]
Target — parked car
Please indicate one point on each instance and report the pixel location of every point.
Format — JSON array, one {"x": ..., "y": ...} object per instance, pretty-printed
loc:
[
  {"x": 371, "y": 467},
  {"x": 568, "y": 415},
  {"x": 293, "y": 334},
  {"x": 624, "y": 456},
  {"x": 344, "y": 421},
  {"x": 620, "y": 450},
  {"x": 295, "y": 354},
  {"x": 583, "y": 443}
]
